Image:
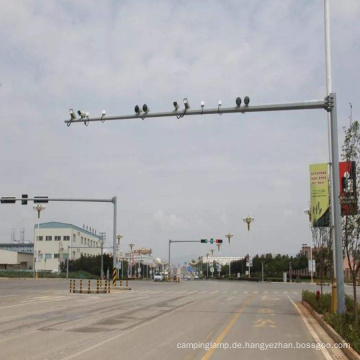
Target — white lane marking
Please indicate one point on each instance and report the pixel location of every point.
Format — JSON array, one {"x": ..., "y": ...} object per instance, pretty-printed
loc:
[
  {"x": 255, "y": 292},
  {"x": 230, "y": 298},
  {"x": 235, "y": 292},
  {"x": 285, "y": 292},
  {"x": 245, "y": 292},
  {"x": 295, "y": 293},
  {"x": 214, "y": 292},
  {"x": 312, "y": 331},
  {"x": 266, "y": 292}
]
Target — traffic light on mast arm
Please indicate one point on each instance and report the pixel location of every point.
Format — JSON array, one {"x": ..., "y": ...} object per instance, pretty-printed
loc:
[
  {"x": 203, "y": 241},
  {"x": 219, "y": 241}
]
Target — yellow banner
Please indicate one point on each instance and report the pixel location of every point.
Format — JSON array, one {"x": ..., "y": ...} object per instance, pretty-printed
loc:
[{"x": 319, "y": 195}]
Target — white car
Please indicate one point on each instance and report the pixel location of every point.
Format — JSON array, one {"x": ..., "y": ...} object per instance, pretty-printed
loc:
[
  {"x": 158, "y": 277},
  {"x": 196, "y": 277}
]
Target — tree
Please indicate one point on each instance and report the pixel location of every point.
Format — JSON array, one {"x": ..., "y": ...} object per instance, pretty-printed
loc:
[
  {"x": 349, "y": 202},
  {"x": 323, "y": 251}
]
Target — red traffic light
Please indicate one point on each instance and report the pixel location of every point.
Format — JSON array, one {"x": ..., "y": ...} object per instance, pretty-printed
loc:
[{"x": 219, "y": 241}]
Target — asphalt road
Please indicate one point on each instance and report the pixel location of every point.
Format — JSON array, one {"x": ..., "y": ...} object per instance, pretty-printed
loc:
[{"x": 40, "y": 319}]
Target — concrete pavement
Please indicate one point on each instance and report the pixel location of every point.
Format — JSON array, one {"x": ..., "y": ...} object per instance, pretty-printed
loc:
[{"x": 40, "y": 319}]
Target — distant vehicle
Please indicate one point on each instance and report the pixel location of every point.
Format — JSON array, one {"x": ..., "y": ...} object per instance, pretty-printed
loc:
[
  {"x": 196, "y": 277},
  {"x": 188, "y": 277},
  {"x": 158, "y": 277}
]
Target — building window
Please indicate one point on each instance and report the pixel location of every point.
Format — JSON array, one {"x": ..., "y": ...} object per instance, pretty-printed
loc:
[
  {"x": 78, "y": 250},
  {"x": 66, "y": 238},
  {"x": 47, "y": 256},
  {"x": 78, "y": 233},
  {"x": 48, "y": 238},
  {"x": 40, "y": 256},
  {"x": 82, "y": 240},
  {"x": 56, "y": 256},
  {"x": 39, "y": 238},
  {"x": 74, "y": 238},
  {"x": 57, "y": 238}
]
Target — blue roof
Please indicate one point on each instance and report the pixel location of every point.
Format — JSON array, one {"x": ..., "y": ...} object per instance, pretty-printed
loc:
[{"x": 59, "y": 225}]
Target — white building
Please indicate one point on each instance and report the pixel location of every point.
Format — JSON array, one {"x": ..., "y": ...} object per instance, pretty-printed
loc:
[
  {"x": 14, "y": 260},
  {"x": 56, "y": 241},
  {"x": 222, "y": 260}
]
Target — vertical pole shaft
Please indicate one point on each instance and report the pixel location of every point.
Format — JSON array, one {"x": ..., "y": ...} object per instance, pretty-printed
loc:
[
  {"x": 114, "y": 199},
  {"x": 332, "y": 162},
  {"x": 262, "y": 272},
  {"x": 102, "y": 258},
  {"x": 67, "y": 265},
  {"x": 337, "y": 211},
  {"x": 311, "y": 260},
  {"x": 169, "y": 258}
]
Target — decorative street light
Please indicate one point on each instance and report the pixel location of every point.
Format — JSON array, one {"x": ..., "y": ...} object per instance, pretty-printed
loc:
[
  {"x": 229, "y": 236},
  {"x": 131, "y": 247},
  {"x": 212, "y": 251},
  {"x": 38, "y": 208},
  {"x": 248, "y": 220}
]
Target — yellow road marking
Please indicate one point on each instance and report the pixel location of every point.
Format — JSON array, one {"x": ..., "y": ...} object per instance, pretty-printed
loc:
[
  {"x": 265, "y": 311},
  {"x": 264, "y": 323},
  {"x": 227, "y": 329}
]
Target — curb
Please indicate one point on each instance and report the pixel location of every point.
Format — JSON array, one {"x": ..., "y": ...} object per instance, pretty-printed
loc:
[{"x": 349, "y": 352}]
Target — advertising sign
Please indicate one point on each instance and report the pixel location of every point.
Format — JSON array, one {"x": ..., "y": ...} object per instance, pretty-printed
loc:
[
  {"x": 319, "y": 195},
  {"x": 348, "y": 196}
]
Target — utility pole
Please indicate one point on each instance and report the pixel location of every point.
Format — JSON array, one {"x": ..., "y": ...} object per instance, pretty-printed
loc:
[{"x": 102, "y": 242}]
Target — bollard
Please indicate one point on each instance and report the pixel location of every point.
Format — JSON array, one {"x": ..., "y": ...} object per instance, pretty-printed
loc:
[
  {"x": 74, "y": 285},
  {"x": 70, "y": 285},
  {"x": 114, "y": 276},
  {"x": 80, "y": 286},
  {"x": 120, "y": 282},
  {"x": 127, "y": 283},
  {"x": 97, "y": 286},
  {"x": 89, "y": 290}
]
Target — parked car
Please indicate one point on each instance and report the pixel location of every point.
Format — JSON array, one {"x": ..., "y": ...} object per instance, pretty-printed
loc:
[
  {"x": 158, "y": 277},
  {"x": 196, "y": 277}
]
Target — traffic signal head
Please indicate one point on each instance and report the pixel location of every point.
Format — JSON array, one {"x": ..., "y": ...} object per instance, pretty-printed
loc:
[
  {"x": 219, "y": 241},
  {"x": 204, "y": 241},
  {"x": 211, "y": 241}
]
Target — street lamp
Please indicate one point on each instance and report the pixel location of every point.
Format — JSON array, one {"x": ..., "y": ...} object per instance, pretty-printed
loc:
[
  {"x": 131, "y": 247},
  {"x": 248, "y": 220},
  {"x": 212, "y": 251},
  {"x": 117, "y": 253},
  {"x": 38, "y": 208},
  {"x": 229, "y": 236}
]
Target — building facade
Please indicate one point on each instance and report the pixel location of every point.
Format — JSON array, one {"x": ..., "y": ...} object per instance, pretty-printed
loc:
[
  {"x": 56, "y": 242},
  {"x": 14, "y": 260}
]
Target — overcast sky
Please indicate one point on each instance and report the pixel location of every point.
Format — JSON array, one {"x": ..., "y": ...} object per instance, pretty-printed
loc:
[{"x": 192, "y": 178}]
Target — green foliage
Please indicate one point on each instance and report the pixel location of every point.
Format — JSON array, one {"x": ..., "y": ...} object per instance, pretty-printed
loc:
[
  {"x": 274, "y": 266},
  {"x": 90, "y": 264},
  {"x": 322, "y": 306},
  {"x": 345, "y": 325}
]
